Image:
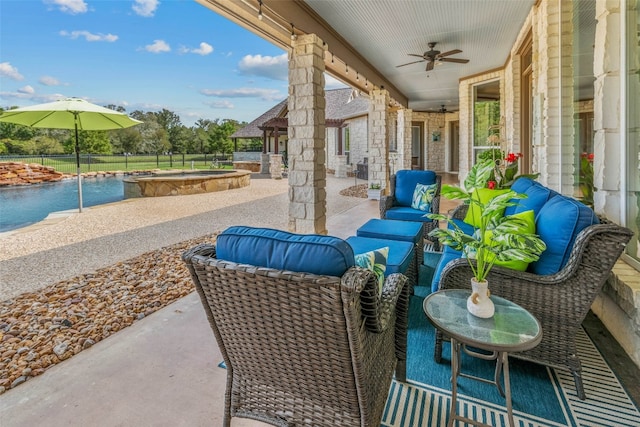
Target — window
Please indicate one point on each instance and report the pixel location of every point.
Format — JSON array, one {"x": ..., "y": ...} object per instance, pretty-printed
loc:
[{"x": 486, "y": 117}]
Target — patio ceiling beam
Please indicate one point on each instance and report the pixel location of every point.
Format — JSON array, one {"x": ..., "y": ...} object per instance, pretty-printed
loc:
[{"x": 276, "y": 28}]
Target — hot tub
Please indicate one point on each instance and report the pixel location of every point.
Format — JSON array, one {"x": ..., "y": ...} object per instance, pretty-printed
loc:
[{"x": 179, "y": 183}]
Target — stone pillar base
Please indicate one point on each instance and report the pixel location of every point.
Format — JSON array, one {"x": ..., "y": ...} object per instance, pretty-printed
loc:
[
  {"x": 341, "y": 166},
  {"x": 264, "y": 163},
  {"x": 276, "y": 166}
]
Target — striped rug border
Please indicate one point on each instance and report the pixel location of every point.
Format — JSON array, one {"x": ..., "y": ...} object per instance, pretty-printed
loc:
[{"x": 414, "y": 404}]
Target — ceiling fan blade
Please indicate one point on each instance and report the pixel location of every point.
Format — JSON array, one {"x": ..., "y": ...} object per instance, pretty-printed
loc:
[
  {"x": 415, "y": 54},
  {"x": 429, "y": 66},
  {"x": 451, "y": 52},
  {"x": 409, "y": 63},
  {"x": 459, "y": 61}
]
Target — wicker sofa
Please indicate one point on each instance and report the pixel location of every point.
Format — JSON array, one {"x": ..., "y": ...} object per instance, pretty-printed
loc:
[
  {"x": 397, "y": 204},
  {"x": 560, "y": 289},
  {"x": 307, "y": 338}
]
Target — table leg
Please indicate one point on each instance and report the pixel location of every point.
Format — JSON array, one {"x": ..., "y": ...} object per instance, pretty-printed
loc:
[
  {"x": 504, "y": 357},
  {"x": 455, "y": 369}
]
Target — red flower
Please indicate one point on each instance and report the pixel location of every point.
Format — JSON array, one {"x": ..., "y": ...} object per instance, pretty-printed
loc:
[
  {"x": 512, "y": 157},
  {"x": 491, "y": 185},
  {"x": 590, "y": 157}
]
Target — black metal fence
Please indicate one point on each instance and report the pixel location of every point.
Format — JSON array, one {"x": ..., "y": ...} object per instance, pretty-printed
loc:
[{"x": 66, "y": 163}]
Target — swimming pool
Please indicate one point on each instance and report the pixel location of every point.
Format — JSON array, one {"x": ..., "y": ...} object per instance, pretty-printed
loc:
[{"x": 21, "y": 206}]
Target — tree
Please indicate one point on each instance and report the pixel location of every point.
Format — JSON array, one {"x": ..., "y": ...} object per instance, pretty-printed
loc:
[
  {"x": 219, "y": 136},
  {"x": 126, "y": 140},
  {"x": 170, "y": 122}
]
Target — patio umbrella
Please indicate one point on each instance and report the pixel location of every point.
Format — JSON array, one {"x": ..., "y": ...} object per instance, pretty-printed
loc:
[{"x": 70, "y": 113}]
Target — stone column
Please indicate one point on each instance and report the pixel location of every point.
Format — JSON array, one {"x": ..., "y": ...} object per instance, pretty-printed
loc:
[
  {"x": 379, "y": 138},
  {"x": 276, "y": 166},
  {"x": 264, "y": 163},
  {"x": 606, "y": 112},
  {"x": 307, "y": 173},
  {"x": 404, "y": 139},
  {"x": 341, "y": 166}
]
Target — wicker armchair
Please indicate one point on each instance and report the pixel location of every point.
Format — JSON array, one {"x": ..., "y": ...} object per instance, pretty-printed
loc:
[
  {"x": 389, "y": 202},
  {"x": 303, "y": 348},
  {"x": 560, "y": 301}
]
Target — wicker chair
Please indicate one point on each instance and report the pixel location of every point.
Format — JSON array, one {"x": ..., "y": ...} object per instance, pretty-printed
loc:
[
  {"x": 303, "y": 348},
  {"x": 390, "y": 201},
  {"x": 560, "y": 301}
]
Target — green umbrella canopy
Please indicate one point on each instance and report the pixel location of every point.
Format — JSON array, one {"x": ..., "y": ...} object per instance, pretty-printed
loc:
[{"x": 62, "y": 115}]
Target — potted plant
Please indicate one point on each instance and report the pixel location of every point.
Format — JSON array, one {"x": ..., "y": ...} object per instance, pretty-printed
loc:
[
  {"x": 373, "y": 193},
  {"x": 495, "y": 237}
]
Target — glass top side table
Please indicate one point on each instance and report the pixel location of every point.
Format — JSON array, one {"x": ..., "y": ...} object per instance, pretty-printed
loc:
[{"x": 511, "y": 329}]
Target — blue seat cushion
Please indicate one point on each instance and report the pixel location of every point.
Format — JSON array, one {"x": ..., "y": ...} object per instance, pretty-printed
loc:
[
  {"x": 406, "y": 181},
  {"x": 537, "y": 196},
  {"x": 447, "y": 255},
  {"x": 558, "y": 224},
  {"x": 281, "y": 250},
  {"x": 404, "y": 213},
  {"x": 400, "y": 253},
  {"x": 408, "y": 231}
]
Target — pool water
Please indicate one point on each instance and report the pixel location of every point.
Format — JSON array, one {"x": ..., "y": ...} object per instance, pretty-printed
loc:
[{"x": 21, "y": 206}]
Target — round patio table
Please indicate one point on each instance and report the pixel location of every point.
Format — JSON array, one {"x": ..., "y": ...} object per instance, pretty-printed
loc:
[{"x": 511, "y": 329}]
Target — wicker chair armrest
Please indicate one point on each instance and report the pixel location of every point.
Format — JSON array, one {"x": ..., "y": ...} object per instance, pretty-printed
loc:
[
  {"x": 386, "y": 203},
  {"x": 377, "y": 310},
  {"x": 459, "y": 212},
  {"x": 204, "y": 249}
]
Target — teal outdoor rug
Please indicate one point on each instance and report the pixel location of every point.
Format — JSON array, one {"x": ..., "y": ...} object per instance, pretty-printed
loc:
[{"x": 541, "y": 396}]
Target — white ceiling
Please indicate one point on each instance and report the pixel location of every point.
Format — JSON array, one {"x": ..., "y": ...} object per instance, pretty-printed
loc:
[{"x": 384, "y": 32}]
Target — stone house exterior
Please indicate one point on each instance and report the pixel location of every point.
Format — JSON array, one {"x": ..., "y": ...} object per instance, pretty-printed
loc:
[{"x": 570, "y": 86}]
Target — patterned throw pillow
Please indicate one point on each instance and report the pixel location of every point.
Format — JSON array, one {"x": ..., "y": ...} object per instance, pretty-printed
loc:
[
  {"x": 375, "y": 261},
  {"x": 423, "y": 196}
]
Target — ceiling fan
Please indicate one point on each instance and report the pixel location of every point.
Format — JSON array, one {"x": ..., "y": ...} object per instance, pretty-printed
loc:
[{"x": 432, "y": 56}]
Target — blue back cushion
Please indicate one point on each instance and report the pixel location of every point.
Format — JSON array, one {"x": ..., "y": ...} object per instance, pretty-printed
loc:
[
  {"x": 537, "y": 196},
  {"x": 281, "y": 250},
  {"x": 406, "y": 181},
  {"x": 447, "y": 255},
  {"x": 558, "y": 223}
]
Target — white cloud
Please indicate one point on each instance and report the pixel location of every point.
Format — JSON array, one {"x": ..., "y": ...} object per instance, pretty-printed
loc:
[
  {"x": 49, "y": 81},
  {"x": 145, "y": 8},
  {"x": 264, "y": 94},
  {"x": 272, "y": 67},
  {"x": 69, "y": 6},
  {"x": 158, "y": 46},
  {"x": 28, "y": 90},
  {"x": 7, "y": 70},
  {"x": 90, "y": 37},
  {"x": 204, "y": 49},
  {"x": 227, "y": 105},
  {"x": 331, "y": 82},
  {"x": 20, "y": 94}
]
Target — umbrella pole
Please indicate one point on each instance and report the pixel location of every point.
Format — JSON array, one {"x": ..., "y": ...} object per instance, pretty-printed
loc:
[{"x": 78, "y": 167}]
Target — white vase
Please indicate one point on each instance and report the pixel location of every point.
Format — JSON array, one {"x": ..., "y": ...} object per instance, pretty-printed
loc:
[{"x": 479, "y": 304}]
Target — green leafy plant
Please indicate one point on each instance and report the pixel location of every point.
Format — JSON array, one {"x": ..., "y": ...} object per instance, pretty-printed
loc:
[
  {"x": 586, "y": 178},
  {"x": 497, "y": 237}
]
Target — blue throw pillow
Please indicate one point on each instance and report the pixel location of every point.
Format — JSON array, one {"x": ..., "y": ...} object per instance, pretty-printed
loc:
[
  {"x": 423, "y": 196},
  {"x": 375, "y": 261}
]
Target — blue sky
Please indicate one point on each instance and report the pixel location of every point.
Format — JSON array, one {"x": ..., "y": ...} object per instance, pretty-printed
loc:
[{"x": 140, "y": 54}]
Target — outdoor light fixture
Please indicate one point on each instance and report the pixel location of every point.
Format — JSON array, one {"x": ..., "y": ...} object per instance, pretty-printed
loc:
[
  {"x": 293, "y": 34},
  {"x": 260, "y": 10}
]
